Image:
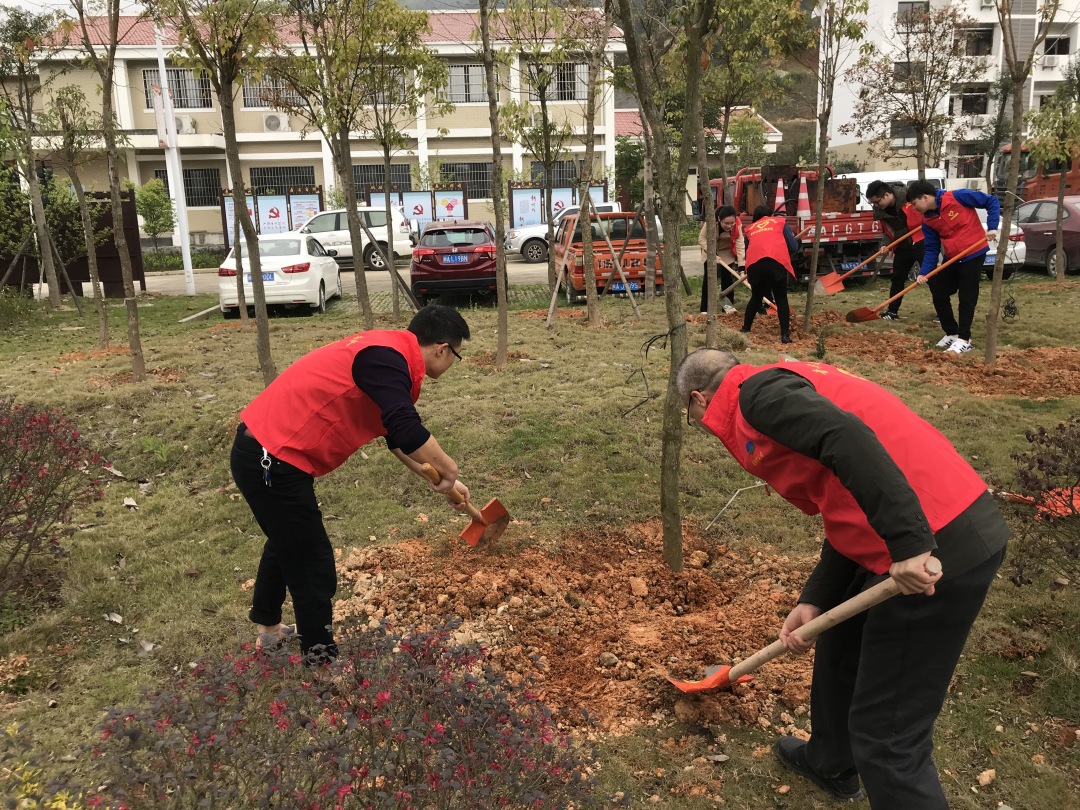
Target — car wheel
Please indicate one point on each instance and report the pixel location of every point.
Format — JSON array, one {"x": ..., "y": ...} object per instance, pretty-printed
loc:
[
  {"x": 535, "y": 250},
  {"x": 321, "y": 306},
  {"x": 373, "y": 259},
  {"x": 1051, "y": 262},
  {"x": 231, "y": 313}
]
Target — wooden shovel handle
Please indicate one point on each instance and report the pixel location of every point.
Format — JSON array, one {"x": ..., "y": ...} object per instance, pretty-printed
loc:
[
  {"x": 885, "y": 249},
  {"x": 885, "y": 589},
  {"x": 934, "y": 272},
  {"x": 741, "y": 280},
  {"x": 433, "y": 476}
]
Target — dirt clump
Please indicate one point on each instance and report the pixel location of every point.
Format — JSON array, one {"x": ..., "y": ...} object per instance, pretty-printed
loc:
[
  {"x": 559, "y": 313},
  {"x": 598, "y": 623},
  {"x": 168, "y": 375},
  {"x": 95, "y": 354}
]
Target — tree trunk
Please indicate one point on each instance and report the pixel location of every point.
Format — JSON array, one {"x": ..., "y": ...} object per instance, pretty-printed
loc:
[
  {"x": 241, "y": 297},
  {"x": 342, "y": 155},
  {"x": 549, "y": 179},
  {"x": 652, "y": 241},
  {"x": 48, "y": 264},
  {"x": 251, "y": 239},
  {"x": 920, "y": 152},
  {"x": 498, "y": 190},
  {"x": 708, "y": 217},
  {"x": 594, "y": 317},
  {"x": 391, "y": 265},
  {"x": 819, "y": 204},
  {"x": 1059, "y": 245},
  {"x": 721, "y": 198},
  {"x": 91, "y": 256}
]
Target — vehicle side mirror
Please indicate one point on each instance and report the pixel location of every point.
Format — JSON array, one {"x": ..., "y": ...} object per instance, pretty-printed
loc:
[
  {"x": 305, "y": 229},
  {"x": 414, "y": 225},
  {"x": 331, "y": 252}
]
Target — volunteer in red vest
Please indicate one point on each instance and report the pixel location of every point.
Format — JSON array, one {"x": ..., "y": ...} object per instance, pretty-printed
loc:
[
  {"x": 770, "y": 244},
  {"x": 950, "y": 226},
  {"x": 891, "y": 491},
  {"x": 730, "y": 248},
  {"x": 306, "y": 423},
  {"x": 896, "y": 219}
]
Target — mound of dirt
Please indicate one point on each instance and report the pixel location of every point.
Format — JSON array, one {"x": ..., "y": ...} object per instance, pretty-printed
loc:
[
  {"x": 168, "y": 375},
  {"x": 598, "y": 623},
  {"x": 562, "y": 312},
  {"x": 95, "y": 354}
]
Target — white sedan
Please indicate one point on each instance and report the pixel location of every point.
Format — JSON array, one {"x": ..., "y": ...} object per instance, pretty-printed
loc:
[{"x": 296, "y": 271}]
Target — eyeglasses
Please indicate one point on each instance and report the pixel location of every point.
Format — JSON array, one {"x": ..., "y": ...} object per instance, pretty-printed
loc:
[
  {"x": 689, "y": 401},
  {"x": 453, "y": 351}
]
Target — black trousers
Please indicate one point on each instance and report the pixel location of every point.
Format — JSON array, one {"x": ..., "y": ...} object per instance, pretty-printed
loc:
[
  {"x": 726, "y": 280},
  {"x": 768, "y": 277},
  {"x": 961, "y": 279},
  {"x": 903, "y": 260},
  {"x": 879, "y": 683},
  {"x": 297, "y": 555}
]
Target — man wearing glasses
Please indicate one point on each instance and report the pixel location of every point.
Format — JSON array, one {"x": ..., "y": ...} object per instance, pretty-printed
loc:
[
  {"x": 307, "y": 422},
  {"x": 896, "y": 219}
]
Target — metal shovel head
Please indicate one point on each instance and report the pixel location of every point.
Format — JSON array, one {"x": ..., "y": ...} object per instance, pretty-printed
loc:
[
  {"x": 862, "y": 315},
  {"x": 496, "y": 519},
  {"x": 829, "y": 284},
  {"x": 715, "y": 678}
]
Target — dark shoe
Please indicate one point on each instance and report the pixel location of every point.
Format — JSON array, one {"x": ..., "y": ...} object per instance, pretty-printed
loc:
[
  {"x": 744, "y": 331},
  {"x": 792, "y": 752},
  {"x": 890, "y": 316},
  {"x": 785, "y": 337}
]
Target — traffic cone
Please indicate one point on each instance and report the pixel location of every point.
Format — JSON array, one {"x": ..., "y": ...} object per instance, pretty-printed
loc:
[
  {"x": 780, "y": 203},
  {"x": 803, "y": 211}
]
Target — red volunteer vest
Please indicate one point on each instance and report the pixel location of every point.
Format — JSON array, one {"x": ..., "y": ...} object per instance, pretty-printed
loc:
[
  {"x": 313, "y": 416},
  {"x": 736, "y": 235},
  {"x": 767, "y": 242},
  {"x": 944, "y": 483},
  {"x": 957, "y": 225},
  {"x": 914, "y": 220}
]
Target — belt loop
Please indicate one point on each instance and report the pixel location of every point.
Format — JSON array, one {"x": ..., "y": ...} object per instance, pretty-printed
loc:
[{"x": 265, "y": 462}]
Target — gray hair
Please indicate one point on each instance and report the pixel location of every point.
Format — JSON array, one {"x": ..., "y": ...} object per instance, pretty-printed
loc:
[{"x": 703, "y": 371}]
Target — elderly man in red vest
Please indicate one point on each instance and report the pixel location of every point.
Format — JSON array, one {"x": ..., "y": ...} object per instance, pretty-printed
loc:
[
  {"x": 770, "y": 244},
  {"x": 307, "y": 422},
  {"x": 891, "y": 491}
]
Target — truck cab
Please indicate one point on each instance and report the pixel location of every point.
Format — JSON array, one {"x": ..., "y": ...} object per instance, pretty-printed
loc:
[
  {"x": 531, "y": 240},
  {"x": 626, "y": 232}
]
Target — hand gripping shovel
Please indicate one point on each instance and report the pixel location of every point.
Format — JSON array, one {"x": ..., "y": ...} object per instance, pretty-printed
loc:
[
  {"x": 863, "y": 314},
  {"x": 740, "y": 278},
  {"x": 832, "y": 283},
  {"x": 719, "y": 677},
  {"x": 487, "y": 524}
]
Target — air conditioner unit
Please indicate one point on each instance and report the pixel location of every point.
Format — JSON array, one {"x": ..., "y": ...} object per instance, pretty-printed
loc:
[
  {"x": 987, "y": 3},
  {"x": 1050, "y": 61},
  {"x": 276, "y": 122},
  {"x": 979, "y": 120},
  {"x": 974, "y": 184},
  {"x": 185, "y": 124}
]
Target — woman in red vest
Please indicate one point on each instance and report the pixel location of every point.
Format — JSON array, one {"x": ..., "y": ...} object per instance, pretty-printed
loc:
[
  {"x": 307, "y": 422},
  {"x": 730, "y": 248},
  {"x": 837, "y": 445},
  {"x": 770, "y": 244}
]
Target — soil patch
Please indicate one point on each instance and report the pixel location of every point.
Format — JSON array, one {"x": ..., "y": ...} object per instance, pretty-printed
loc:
[
  {"x": 599, "y": 622},
  {"x": 169, "y": 375},
  {"x": 562, "y": 312},
  {"x": 486, "y": 359},
  {"x": 95, "y": 354}
]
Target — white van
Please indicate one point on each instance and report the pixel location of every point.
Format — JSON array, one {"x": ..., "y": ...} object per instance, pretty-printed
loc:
[
  {"x": 331, "y": 228},
  {"x": 936, "y": 178}
]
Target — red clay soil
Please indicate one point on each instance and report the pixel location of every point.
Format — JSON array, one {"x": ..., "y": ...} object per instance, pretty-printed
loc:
[
  {"x": 95, "y": 354},
  {"x": 169, "y": 375},
  {"x": 599, "y": 622},
  {"x": 562, "y": 312}
]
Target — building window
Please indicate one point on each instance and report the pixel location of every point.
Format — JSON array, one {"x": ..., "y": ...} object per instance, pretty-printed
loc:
[
  {"x": 978, "y": 41},
  {"x": 1056, "y": 46},
  {"x": 276, "y": 179},
  {"x": 902, "y": 135},
  {"x": 393, "y": 93},
  {"x": 467, "y": 84},
  {"x": 263, "y": 93},
  {"x": 372, "y": 174},
  {"x": 477, "y": 176},
  {"x": 202, "y": 187},
  {"x": 189, "y": 92},
  {"x": 969, "y": 161},
  {"x": 566, "y": 81},
  {"x": 909, "y": 13},
  {"x": 907, "y": 71},
  {"x": 975, "y": 101},
  {"x": 564, "y": 173}
]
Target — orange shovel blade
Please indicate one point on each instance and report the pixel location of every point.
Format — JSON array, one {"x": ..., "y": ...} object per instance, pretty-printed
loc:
[
  {"x": 862, "y": 315},
  {"x": 829, "y": 284},
  {"x": 718, "y": 679},
  {"x": 495, "y": 520}
]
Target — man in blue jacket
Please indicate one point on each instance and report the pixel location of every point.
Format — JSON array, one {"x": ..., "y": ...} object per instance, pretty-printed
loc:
[{"x": 950, "y": 225}]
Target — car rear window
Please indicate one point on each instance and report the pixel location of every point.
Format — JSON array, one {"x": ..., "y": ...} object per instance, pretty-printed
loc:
[
  {"x": 274, "y": 247},
  {"x": 457, "y": 237}
]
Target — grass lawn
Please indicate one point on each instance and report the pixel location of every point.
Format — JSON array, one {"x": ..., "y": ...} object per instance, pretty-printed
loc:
[{"x": 568, "y": 438}]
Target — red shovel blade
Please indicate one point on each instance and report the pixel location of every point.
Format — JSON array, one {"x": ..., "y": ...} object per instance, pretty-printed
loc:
[
  {"x": 716, "y": 679},
  {"x": 861, "y": 315}
]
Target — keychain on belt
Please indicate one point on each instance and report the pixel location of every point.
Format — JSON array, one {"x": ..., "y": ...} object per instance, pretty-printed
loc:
[{"x": 264, "y": 462}]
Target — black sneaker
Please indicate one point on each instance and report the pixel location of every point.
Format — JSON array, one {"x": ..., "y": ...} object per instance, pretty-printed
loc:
[
  {"x": 890, "y": 316},
  {"x": 792, "y": 752}
]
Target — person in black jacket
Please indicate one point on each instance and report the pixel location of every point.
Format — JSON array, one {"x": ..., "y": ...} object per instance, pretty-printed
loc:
[{"x": 897, "y": 218}]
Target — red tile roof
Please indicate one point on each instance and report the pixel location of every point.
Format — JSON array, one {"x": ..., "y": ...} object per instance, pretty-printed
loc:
[{"x": 628, "y": 123}]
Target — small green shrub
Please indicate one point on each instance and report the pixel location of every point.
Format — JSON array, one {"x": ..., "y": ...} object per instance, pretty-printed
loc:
[
  {"x": 155, "y": 261},
  {"x": 45, "y": 469},
  {"x": 397, "y": 721},
  {"x": 15, "y": 306},
  {"x": 688, "y": 234}
]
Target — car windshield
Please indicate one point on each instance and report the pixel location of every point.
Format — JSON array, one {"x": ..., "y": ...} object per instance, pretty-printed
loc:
[
  {"x": 457, "y": 237},
  {"x": 274, "y": 247}
]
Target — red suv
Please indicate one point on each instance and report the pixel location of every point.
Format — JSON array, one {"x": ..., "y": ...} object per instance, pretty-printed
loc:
[{"x": 453, "y": 256}]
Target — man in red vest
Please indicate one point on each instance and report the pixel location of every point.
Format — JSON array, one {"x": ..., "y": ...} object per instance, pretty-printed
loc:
[
  {"x": 307, "y": 422},
  {"x": 891, "y": 491},
  {"x": 770, "y": 244},
  {"x": 897, "y": 219}
]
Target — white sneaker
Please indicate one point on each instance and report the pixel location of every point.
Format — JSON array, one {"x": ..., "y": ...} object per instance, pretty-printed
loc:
[
  {"x": 959, "y": 346},
  {"x": 947, "y": 341},
  {"x": 729, "y": 309}
]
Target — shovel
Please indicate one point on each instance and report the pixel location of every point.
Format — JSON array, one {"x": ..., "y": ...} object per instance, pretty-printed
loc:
[
  {"x": 832, "y": 283},
  {"x": 740, "y": 278},
  {"x": 863, "y": 314},
  {"x": 487, "y": 524},
  {"x": 719, "y": 677}
]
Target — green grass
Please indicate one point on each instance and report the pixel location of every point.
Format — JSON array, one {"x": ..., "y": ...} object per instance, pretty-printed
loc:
[{"x": 558, "y": 423}]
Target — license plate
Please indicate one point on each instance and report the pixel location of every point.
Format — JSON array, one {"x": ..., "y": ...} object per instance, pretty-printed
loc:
[
  {"x": 990, "y": 259},
  {"x": 617, "y": 286},
  {"x": 266, "y": 277},
  {"x": 848, "y": 265},
  {"x": 456, "y": 258}
]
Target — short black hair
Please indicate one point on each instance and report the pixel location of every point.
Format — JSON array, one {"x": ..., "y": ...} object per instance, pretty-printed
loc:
[
  {"x": 725, "y": 211},
  {"x": 759, "y": 212},
  {"x": 879, "y": 188},
  {"x": 438, "y": 324},
  {"x": 920, "y": 188}
]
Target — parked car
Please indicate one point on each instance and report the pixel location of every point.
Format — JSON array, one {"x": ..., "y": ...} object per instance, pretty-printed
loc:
[
  {"x": 332, "y": 230},
  {"x": 531, "y": 240},
  {"x": 1036, "y": 221},
  {"x": 296, "y": 271},
  {"x": 454, "y": 256}
]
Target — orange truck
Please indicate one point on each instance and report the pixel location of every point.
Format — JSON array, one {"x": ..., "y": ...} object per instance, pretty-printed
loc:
[
  {"x": 626, "y": 232},
  {"x": 848, "y": 236}
]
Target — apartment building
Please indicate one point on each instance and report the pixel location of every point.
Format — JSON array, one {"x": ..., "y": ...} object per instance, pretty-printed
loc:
[
  {"x": 276, "y": 152},
  {"x": 963, "y": 158}
]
